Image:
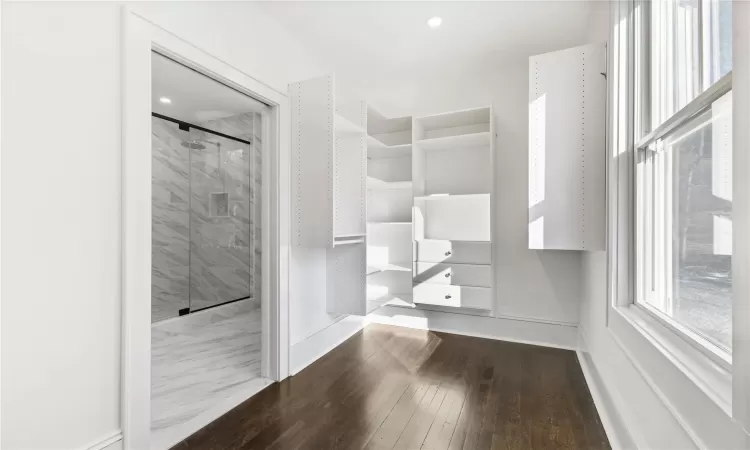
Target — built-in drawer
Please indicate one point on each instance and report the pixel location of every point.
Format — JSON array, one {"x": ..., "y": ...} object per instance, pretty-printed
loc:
[
  {"x": 455, "y": 274},
  {"x": 453, "y": 296},
  {"x": 461, "y": 252}
]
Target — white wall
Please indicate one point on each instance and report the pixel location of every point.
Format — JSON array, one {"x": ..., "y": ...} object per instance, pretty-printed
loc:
[
  {"x": 538, "y": 285},
  {"x": 61, "y": 194}
]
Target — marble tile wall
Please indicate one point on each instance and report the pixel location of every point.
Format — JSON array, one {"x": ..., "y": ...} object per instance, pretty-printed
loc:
[
  {"x": 248, "y": 127},
  {"x": 201, "y": 259}
]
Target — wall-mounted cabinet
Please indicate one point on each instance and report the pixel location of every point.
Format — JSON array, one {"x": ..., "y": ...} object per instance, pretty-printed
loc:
[
  {"x": 329, "y": 182},
  {"x": 567, "y": 95},
  {"x": 329, "y": 144}
]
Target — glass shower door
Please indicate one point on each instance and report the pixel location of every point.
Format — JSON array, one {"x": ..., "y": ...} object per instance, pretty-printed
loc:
[
  {"x": 221, "y": 219},
  {"x": 170, "y": 212}
]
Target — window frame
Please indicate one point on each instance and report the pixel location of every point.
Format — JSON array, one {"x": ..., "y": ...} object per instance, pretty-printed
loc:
[{"x": 646, "y": 136}]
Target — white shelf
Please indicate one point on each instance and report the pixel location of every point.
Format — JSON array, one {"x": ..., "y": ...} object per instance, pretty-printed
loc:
[
  {"x": 401, "y": 300},
  {"x": 451, "y": 197},
  {"x": 374, "y": 143},
  {"x": 454, "y": 119},
  {"x": 396, "y": 267},
  {"x": 457, "y": 142},
  {"x": 377, "y": 124},
  {"x": 374, "y": 183},
  {"x": 346, "y": 240},
  {"x": 389, "y": 151},
  {"x": 345, "y": 126},
  {"x": 390, "y": 223}
]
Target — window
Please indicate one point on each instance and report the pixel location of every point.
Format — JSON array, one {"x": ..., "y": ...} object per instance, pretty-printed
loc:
[{"x": 684, "y": 169}]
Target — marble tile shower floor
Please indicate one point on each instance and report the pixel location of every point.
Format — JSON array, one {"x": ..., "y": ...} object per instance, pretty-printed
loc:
[{"x": 199, "y": 361}]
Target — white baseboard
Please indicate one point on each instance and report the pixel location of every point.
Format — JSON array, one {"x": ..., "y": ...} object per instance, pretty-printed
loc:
[
  {"x": 524, "y": 331},
  {"x": 110, "y": 442},
  {"x": 617, "y": 433},
  {"x": 306, "y": 352}
]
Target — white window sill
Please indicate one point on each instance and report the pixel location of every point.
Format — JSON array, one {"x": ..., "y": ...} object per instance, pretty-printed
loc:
[{"x": 713, "y": 378}]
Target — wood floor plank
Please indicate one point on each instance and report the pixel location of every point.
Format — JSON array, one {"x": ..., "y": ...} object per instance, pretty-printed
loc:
[
  {"x": 389, "y": 387},
  {"x": 419, "y": 424},
  {"x": 388, "y": 433}
]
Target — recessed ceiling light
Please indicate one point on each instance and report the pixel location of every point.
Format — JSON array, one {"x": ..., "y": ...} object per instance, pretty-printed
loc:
[
  {"x": 165, "y": 100},
  {"x": 435, "y": 22}
]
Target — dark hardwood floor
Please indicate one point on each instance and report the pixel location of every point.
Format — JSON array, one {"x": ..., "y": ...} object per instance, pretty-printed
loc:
[{"x": 390, "y": 387}]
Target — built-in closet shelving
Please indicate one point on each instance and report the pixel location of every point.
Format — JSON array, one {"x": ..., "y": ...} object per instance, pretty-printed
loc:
[
  {"x": 402, "y": 206},
  {"x": 452, "y": 162},
  {"x": 389, "y": 203},
  {"x": 329, "y": 170}
]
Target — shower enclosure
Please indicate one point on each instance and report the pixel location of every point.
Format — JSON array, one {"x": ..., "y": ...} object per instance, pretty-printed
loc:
[{"x": 205, "y": 213}]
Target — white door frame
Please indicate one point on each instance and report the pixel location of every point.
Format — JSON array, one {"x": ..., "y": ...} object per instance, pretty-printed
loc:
[{"x": 140, "y": 37}]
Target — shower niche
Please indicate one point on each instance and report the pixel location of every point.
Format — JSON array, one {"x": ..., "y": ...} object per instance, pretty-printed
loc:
[{"x": 205, "y": 213}]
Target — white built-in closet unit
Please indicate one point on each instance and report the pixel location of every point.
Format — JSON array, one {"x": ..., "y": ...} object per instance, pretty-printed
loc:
[
  {"x": 567, "y": 91},
  {"x": 452, "y": 161},
  {"x": 329, "y": 145},
  {"x": 389, "y": 204},
  {"x": 402, "y": 206}
]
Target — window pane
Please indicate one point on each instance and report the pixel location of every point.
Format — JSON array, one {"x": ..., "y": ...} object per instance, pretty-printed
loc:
[
  {"x": 690, "y": 48},
  {"x": 691, "y": 226},
  {"x": 675, "y": 56},
  {"x": 717, "y": 38}
]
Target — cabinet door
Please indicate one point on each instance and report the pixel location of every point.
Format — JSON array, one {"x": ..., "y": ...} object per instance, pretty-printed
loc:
[
  {"x": 312, "y": 106},
  {"x": 458, "y": 252},
  {"x": 455, "y": 274},
  {"x": 453, "y": 296},
  {"x": 567, "y": 94}
]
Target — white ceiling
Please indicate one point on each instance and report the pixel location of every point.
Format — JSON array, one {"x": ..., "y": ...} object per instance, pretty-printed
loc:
[
  {"x": 195, "y": 97},
  {"x": 374, "y": 42}
]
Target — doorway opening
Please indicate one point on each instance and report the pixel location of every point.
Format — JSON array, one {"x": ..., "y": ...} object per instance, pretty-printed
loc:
[{"x": 206, "y": 311}]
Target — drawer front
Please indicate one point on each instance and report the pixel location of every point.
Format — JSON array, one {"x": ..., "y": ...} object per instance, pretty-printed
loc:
[
  {"x": 455, "y": 274},
  {"x": 453, "y": 296},
  {"x": 460, "y": 252}
]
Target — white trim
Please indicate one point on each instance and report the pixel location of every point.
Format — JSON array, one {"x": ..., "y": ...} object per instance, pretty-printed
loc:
[
  {"x": 741, "y": 213},
  {"x": 111, "y": 442},
  {"x": 317, "y": 345},
  {"x": 140, "y": 37},
  {"x": 663, "y": 367},
  {"x": 714, "y": 379},
  {"x": 702, "y": 345},
  {"x": 564, "y": 336},
  {"x": 617, "y": 433}
]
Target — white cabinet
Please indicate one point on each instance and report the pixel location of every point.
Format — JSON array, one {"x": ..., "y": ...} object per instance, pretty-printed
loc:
[
  {"x": 452, "y": 166},
  {"x": 453, "y": 296},
  {"x": 457, "y": 252},
  {"x": 567, "y": 93},
  {"x": 329, "y": 168},
  {"x": 478, "y": 275}
]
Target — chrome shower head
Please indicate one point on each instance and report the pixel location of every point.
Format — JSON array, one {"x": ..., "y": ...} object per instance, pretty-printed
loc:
[{"x": 193, "y": 145}]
